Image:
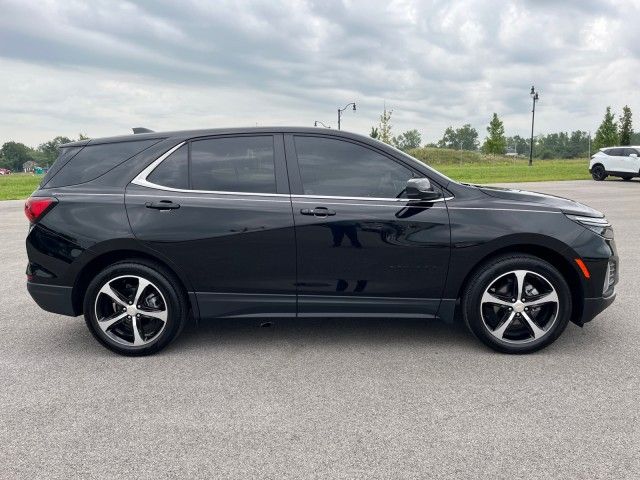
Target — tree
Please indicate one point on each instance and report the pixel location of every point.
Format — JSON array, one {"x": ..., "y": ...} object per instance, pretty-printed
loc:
[
  {"x": 520, "y": 144},
  {"x": 467, "y": 137},
  {"x": 384, "y": 126},
  {"x": 463, "y": 138},
  {"x": 449, "y": 139},
  {"x": 14, "y": 154},
  {"x": 607, "y": 133},
  {"x": 626, "y": 127},
  {"x": 408, "y": 140},
  {"x": 495, "y": 142},
  {"x": 50, "y": 149},
  {"x": 374, "y": 133}
]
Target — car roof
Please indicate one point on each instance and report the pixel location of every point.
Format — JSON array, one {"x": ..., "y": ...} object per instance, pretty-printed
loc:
[
  {"x": 217, "y": 131},
  {"x": 620, "y": 146}
]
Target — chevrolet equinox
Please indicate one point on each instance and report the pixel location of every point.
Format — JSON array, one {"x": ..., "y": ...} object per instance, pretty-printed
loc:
[{"x": 141, "y": 232}]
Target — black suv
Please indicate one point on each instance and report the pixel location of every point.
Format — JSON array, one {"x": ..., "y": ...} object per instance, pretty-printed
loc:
[{"x": 141, "y": 232}]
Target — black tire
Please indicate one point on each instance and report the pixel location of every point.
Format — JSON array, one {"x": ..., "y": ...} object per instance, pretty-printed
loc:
[
  {"x": 598, "y": 172},
  {"x": 627, "y": 178},
  {"x": 498, "y": 268},
  {"x": 172, "y": 299}
]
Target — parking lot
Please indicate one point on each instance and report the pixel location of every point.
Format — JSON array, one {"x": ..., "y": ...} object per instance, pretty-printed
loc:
[{"x": 327, "y": 398}]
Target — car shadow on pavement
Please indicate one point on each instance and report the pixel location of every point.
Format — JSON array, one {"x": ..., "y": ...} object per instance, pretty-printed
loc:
[
  {"x": 355, "y": 332},
  {"x": 287, "y": 334}
]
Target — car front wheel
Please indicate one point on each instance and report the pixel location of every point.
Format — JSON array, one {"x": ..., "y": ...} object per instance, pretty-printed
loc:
[
  {"x": 517, "y": 304},
  {"x": 598, "y": 173},
  {"x": 135, "y": 307}
]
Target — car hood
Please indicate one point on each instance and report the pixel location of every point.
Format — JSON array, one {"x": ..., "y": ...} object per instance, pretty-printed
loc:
[{"x": 542, "y": 199}]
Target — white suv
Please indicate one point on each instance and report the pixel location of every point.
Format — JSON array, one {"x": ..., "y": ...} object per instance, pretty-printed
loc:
[{"x": 615, "y": 161}]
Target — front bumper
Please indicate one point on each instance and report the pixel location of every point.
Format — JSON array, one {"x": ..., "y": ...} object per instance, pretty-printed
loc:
[
  {"x": 593, "y": 306},
  {"x": 53, "y": 298}
]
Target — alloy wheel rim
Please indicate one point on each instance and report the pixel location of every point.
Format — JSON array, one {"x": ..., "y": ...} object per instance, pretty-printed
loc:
[
  {"x": 519, "y": 307},
  {"x": 131, "y": 310}
]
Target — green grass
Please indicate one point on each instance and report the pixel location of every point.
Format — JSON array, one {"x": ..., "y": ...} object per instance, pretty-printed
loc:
[
  {"x": 471, "y": 167},
  {"x": 18, "y": 185},
  {"x": 518, "y": 171}
]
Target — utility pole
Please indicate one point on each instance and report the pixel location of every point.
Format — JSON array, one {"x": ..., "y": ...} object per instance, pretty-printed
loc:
[{"x": 534, "y": 96}]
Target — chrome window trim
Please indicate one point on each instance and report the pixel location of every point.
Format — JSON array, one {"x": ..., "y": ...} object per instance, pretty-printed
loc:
[
  {"x": 375, "y": 199},
  {"x": 213, "y": 198},
  {"x": 141, "y": 180}
]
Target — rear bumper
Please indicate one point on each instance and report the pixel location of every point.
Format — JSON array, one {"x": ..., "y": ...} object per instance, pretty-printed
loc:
[
  {"x": 53, "y": 298},
  {"x": 593, "y": 306}
]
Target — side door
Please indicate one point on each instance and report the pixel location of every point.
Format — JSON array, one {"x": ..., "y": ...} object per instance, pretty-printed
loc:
[
  {"x": 630, "y": 161},
  {"x": 617, "y": 160},
  {"x": 219, "y": 208},
  {"x": 362, "y": 248}
]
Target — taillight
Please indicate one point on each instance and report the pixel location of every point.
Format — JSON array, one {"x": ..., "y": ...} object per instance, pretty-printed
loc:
[{"x": 36, "y": 207}]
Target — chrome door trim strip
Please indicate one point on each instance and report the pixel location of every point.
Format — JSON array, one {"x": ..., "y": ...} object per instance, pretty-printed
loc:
[
  {"x": 377, "y": 199},
  {"x": 368, "y": 205}
]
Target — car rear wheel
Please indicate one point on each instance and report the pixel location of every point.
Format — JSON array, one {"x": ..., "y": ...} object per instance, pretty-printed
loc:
[
  {"x": 598, "y": 172},
  {"x": 135, "y": 307},
  {"x": 627, "y": 178},
  {"x": 517, "y": 304}
]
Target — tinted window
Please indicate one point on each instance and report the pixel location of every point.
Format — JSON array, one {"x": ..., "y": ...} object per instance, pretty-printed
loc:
[
  {"x": 628, "y": 151},
  {"x": 616, "y": 152},
  {"x": 65, "y": 155},
  {"x": 233, "y": 164},
  {"x": 344, "y": 169},
  {"x": 96, "y": 160},
  {"x": 173, "y": 171}
]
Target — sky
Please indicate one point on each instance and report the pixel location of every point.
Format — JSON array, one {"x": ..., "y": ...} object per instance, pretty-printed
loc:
[{"x": 103, "y": 67}]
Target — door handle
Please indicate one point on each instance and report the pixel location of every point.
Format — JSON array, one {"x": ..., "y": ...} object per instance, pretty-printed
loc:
[
  {"x": 318, "y": 212},
  {"x": 162, "y": 205}
]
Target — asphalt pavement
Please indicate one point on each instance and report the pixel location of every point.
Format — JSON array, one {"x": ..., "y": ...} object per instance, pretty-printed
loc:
[{"x": 327, "y": 398}]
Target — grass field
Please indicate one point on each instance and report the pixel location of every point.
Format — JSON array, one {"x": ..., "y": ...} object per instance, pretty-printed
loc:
[
  {"x": 462, "y": 166},
  {"x": 18, "y": 185},
  {"x": 516, "y": 171}
]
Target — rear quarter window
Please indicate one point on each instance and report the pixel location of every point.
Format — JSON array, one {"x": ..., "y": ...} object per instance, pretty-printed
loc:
[
  {"x": 96, "y": 160},
  {"x": 66, "y": 154}
]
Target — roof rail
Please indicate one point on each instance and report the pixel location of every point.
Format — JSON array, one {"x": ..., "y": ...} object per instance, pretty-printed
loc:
[{"x": 141, "y": 130}]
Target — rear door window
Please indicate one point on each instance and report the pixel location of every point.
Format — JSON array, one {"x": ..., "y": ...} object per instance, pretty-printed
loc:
[
  {"x": 96, "y": 160},
  {"x": 234, "y": 164}
]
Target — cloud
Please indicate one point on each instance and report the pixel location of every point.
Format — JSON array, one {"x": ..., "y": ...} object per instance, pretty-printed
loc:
[{"x": 102, "y": 67}]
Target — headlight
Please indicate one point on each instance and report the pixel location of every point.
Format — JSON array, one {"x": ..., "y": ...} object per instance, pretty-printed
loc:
[{"x": 598, "y": 225}]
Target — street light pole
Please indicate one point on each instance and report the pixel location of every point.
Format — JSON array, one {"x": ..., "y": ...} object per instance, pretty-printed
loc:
[
  {"x": 534, "y": 96},
  {"x": 340, "y": 110}
]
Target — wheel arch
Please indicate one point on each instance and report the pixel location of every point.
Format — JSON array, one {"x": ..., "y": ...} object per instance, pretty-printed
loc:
[
  {"x": 106, "y": 258},
  {"x": 559, "y": 261}
]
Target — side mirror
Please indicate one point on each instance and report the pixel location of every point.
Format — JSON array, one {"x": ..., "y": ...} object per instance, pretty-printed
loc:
[
  {"x": 634, "y": 155},
  {"x": 421, "y": 189}
]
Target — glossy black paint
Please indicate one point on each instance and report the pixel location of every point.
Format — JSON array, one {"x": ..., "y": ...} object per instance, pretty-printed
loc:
[{"x": 288, "y": 254}]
